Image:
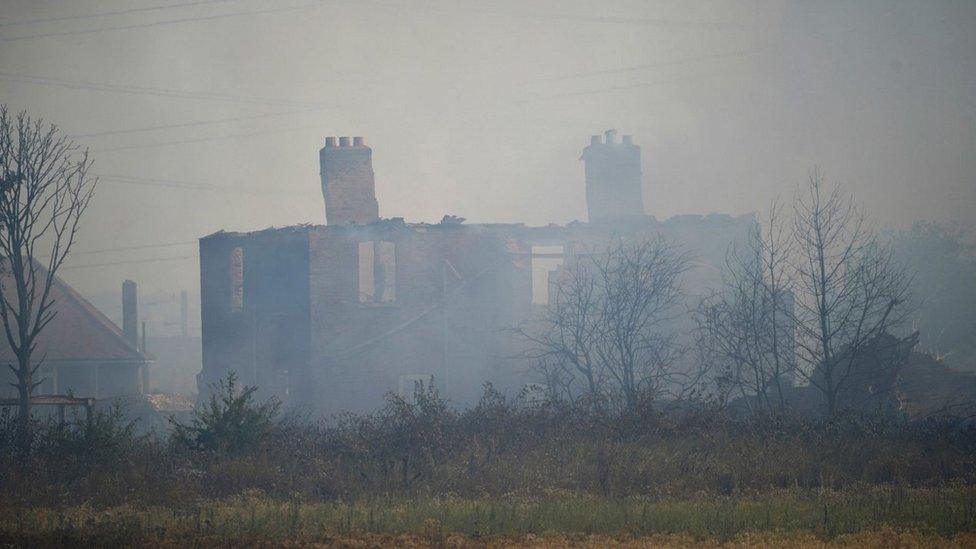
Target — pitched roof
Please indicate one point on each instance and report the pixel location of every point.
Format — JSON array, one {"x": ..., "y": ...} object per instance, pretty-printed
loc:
[{"x": 78, "y": 332}]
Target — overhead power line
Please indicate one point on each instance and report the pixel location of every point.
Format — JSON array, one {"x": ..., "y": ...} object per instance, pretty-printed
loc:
[
  {"x": 607, "y": 19},
  {"x": 205, "y": 139},
  {"x": 134, "y": 261},
  {"x": 128, "y": 11},
  {"x": 128, "y": 248},
  {"x": 197, "y": 123},
  {"x": 131, "y": 248},
  {"x": 161, "y": 23},
  {"x": 133, "y": 180},
  {"x": 634, "y": 68},
  {"x": 145, "y": 90},
  {"x": 191, "y": 185},
  {"x": 624, "y": 87}
]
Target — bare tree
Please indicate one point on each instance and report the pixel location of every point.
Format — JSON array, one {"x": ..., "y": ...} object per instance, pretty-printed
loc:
[
  {"x": 562, "y": 343},
  {"x": 849, "y": 290},
  {"x": 608, "y": 322},
  {"x": 640, "y": 288},
  {"x": 46, "y": 190},
  {"x": 815, "y": 299},
  {"x": 746, "y": 327}
]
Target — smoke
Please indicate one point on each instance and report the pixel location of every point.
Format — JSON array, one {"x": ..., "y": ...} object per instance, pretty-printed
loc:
[{"x": 482, "y": 111}]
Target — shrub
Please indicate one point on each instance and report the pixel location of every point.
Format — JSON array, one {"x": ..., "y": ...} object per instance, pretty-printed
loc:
[
  {"x": 501, "y": 447},
  {"x": 231, "y": 422},
  {"x": 102, "y": 437}
]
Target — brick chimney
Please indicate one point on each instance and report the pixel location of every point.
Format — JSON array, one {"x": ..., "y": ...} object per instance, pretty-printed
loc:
[
  {"x": 613, "y": 178},
  {"x": 348, "y": 184},
  {"x": 130, "y": 313}
]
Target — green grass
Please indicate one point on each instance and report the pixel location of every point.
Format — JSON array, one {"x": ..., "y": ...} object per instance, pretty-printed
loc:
[{"x": 943, "y": 512}]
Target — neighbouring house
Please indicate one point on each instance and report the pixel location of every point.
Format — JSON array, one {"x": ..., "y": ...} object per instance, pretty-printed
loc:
[
  {"x": 890, "y": 377},
  {"x": 170, "y": 331},
  {"x": 81, "y": 352},
  {"x": 927, "y": 386},
  {"x": 895, "y": 376},
  {"x": 332, "y": 317}
]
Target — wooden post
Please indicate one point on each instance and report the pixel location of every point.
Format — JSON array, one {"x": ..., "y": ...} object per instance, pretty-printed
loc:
[
  {"x": 447, "y": 382},
  {"x": 61, "y": 401}
]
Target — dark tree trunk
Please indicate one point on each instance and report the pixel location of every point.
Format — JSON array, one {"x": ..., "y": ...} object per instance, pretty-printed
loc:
[{"x": 24, "y": 386}]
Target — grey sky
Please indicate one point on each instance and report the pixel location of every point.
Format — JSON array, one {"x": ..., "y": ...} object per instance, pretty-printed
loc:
[{"x": 208, "y": 115}]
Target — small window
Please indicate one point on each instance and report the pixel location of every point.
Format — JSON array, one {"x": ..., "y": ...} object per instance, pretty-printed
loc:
[
  {"x": 545, "y": 259},
  {"x": 237, "y": 280},
  {"x": 48, "y": 380},
  {"x": 377, "y": 272}
]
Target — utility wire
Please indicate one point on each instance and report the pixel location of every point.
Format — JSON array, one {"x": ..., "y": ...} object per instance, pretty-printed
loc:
[
  {"x": 130, "y": 248},
  {"x": 132, "y": 180},
  {"x": 622, "y": 88},
  {"x": 607, "y": 19},
  {"x": 197, "y": 123},
  {"x": 634, "y": 68},
  {"x": 299, "y": 128},
  {"x": 617, "y": 20},
  {"x": 145, "y": 90},
  {"x": 113, "y": 263},
  {"x": 189, "y": 185},
  {"x": 128, "y": 11},
  {"x": 161, "y": 23},
  {"x": 205, "y": 139}
]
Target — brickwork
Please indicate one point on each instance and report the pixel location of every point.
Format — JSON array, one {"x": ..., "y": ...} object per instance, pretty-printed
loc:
[
  {"x": 260, "y": 335},
  {"x": 302, "y": 313},
  {"x": 614, "y": 186},
  {"x": 300, "y": 324},
  {"x": 348, "y": 183}
]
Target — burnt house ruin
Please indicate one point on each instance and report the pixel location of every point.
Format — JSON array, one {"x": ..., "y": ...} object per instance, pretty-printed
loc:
[{"x": 334, "y": 316}]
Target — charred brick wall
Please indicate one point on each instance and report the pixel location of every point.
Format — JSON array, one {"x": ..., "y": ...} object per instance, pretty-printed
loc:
[
  {"x": 348, "y": 184},
  {"x": 335, "y": 316},
  {"x": 360, "y": 351},
  {"x": 304, "y": 332},
  {"x": 254, "y": 309}
]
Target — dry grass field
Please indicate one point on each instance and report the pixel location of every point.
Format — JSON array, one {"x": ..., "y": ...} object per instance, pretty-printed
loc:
[
  {"x": 501, "y": 474},
  {"x": 870, "y": 516}
]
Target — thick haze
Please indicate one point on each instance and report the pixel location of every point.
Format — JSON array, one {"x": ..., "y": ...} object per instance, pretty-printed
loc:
[{"x": 481, "y": 109}]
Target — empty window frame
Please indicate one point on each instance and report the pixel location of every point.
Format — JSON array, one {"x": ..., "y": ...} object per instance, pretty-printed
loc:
[
  {"x": 377, "y": 272},
  {"x": 236, "y": 280},
  {"x": 545, "y": 260}
]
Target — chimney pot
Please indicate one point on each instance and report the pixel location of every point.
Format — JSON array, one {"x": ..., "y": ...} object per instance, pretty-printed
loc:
[
  {"x": 348, "y": 183},
  {"x": 613, "y": 180},
  {"x": 330, "y": 141},
  {"x": 628, "y": 139},
  {"x": 594, "y": 140}
]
